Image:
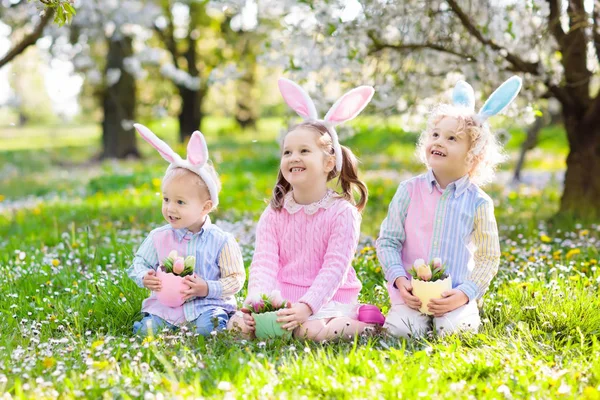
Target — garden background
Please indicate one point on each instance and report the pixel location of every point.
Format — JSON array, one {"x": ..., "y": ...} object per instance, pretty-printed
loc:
[{"x": 79, "y": 191}]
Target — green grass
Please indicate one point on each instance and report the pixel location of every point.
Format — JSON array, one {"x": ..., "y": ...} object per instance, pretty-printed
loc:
[
  {"x": 48, "y": 137},
  {"x": 67, "y": 306},
  {"x": 382, "y": 146}
]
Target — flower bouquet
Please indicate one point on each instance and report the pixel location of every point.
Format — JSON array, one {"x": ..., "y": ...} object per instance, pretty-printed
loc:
[
  {"x": 429, "y": 281},
  {"x": 174, "y": 268},
  {"x": 263, "y": 310}
]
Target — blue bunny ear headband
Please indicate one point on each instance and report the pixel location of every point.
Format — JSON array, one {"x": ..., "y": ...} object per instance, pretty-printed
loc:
[{"x": 464, "y": 96}]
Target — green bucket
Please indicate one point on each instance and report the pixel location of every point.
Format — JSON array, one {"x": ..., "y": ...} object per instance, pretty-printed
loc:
[{"x": 267, "y": 327}]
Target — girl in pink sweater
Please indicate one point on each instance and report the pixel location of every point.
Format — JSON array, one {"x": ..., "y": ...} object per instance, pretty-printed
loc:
[{"x": 307, "y": 237}]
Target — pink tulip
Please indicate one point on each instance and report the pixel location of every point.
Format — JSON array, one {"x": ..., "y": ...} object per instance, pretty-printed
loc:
[
  {"x": 418, "y": 262},
  {"x": 276, "y": 299},
  {"x": 437, "y": 262},
  {"x": 178, "y": 265},
  {"x": 251, "y": 299},
  {"x": 258, "y": 306}
]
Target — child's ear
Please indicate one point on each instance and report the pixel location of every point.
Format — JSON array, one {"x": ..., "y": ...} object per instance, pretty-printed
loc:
[
  {"x": 330, "y": 164},
  {"x": 208, "y": 206}
]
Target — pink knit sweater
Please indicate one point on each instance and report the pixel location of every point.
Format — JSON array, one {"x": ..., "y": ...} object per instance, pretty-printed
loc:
[{"x": 306, "y": 252}]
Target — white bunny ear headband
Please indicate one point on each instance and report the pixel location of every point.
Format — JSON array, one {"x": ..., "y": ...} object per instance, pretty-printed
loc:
[
  {"x": 463, "y": 96},
  {"x": 345, "y": 108},
  {"x": 197, "y": 156}
]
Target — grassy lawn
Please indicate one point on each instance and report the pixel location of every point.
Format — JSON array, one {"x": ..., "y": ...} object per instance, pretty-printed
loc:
[{"x": 69, "y": 230}]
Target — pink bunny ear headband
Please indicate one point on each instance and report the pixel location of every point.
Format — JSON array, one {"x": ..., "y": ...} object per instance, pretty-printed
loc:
[
  {"x": 197, "y": 155},
  {"x": 346, "y": 108}
]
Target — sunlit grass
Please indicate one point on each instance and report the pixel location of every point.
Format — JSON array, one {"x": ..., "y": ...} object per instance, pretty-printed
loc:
[{"x": 67, "y": 306}]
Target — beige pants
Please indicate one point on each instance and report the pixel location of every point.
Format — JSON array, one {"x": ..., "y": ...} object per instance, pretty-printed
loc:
[{"x": 406, "y": 322}]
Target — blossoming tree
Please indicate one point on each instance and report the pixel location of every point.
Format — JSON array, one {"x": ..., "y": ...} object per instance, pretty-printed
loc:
[
  {"x": 61, "y": 10},
  {"x": 100, "y": 42},
  {"x": 413, "y": 49},
  {"x": 204, "y": 50}
]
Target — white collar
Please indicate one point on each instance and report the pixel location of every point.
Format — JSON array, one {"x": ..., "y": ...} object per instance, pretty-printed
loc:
[{"x": 292, "y": 207}]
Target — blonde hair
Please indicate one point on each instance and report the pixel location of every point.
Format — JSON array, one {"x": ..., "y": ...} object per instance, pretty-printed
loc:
[
  {"x": 179, "y": 172},
  {"x": 348, "y": 179},
  {"x": 485, "y": 152}
]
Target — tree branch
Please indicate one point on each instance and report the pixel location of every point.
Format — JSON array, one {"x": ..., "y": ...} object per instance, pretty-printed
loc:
[
  {"x": 29, "y": 39},
  {"x": 378, "y": 46},
  {"x": 519, "y": 63},
  {"x": 554, "y": 21},
  {"x": 168, "y": 38},
  {"x": 560, "y": 94}
]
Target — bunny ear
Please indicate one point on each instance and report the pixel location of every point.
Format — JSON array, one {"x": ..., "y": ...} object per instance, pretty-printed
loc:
[
  {"x": 297, "y": 98},
  {"x": 197, "y": 152},
  {"x": 463, "y": 95},
  {"x": 501, "y": 98},
  {"x": 350, "y": 105},
  {"x": 165, "y": 151}
]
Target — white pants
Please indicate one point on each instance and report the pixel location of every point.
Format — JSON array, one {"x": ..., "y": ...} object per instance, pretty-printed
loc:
[{"x": 406, "y": 322}]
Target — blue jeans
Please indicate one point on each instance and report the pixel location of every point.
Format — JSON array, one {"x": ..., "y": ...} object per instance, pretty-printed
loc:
[{"x": 214, "y": 319}]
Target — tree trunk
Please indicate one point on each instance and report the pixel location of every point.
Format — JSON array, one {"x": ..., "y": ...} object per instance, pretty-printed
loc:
[
  {"x": 190, "y": 116},
  {"x": 118, "y": 135},
  {"x": 246, "y": 104},
  {"x": 581, "y": 195},
  {"x": 530, "y": 142},
  {"x": 533, "y": 131},
  {"x": 23, "y": 118}
]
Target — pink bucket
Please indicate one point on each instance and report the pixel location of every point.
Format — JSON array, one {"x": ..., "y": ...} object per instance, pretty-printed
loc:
[{"x": 170, "y": 294}]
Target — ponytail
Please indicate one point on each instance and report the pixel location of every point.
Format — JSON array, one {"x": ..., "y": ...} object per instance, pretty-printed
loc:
[
  {"x": 282, "y": 187},
  {"x": 349, "y": 181}
]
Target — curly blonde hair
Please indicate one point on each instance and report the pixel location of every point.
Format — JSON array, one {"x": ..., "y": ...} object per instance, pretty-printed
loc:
[{"x": 485, "y": 152}]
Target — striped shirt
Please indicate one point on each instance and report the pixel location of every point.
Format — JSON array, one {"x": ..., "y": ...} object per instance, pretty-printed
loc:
[
  {"x": 218, "y": 261},
  {"x": 456, "y": 224}
]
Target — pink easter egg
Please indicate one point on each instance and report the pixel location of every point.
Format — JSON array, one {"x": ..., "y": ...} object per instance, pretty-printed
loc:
[{"x": 170, "y": 294}]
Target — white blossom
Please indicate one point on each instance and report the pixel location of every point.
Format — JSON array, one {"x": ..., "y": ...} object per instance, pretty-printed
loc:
[{"x": 112, "y": 76}]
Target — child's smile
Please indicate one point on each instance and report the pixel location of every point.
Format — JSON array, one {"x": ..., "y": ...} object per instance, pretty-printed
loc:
[
  {"x": 447, "y": 150},
  {"x": 303, "y": 162}
]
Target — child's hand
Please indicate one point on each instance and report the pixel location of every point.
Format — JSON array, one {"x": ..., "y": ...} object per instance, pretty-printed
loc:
[
  {"x": 248, "y": 319},
  {"x": 151, "y": 281},
  {"x": 405, "y": 289},
  {"x": 450, "y": 301},
  {"x": 197, "y": 287},
  {"x": 294, "y": 316}
]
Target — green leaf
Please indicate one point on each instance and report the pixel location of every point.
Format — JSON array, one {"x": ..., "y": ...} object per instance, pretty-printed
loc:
[
  {"x": 188, "y": 270},
  {"x": 60, "y": 16},
  {"x": 69, "y": 9},
  {"x": 331, "y": 28},
  {"x": 509, "y": 29}
]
